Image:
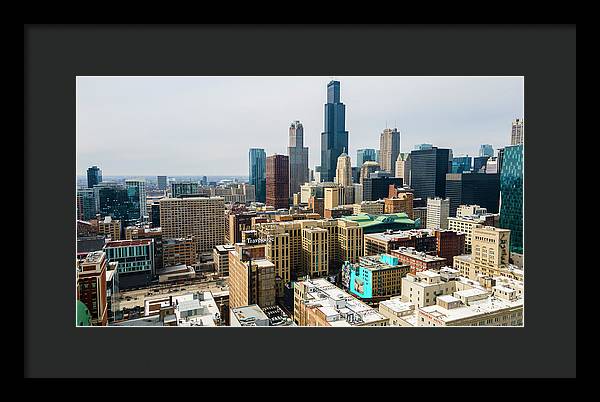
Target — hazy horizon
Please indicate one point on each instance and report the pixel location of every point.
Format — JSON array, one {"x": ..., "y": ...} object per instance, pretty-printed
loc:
[{"x": 204, "y": 126}]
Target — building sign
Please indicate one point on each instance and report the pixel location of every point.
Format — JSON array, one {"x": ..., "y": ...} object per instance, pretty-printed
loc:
[
  {"x": 503, "y": 249},
  {"x": 361, "y": 282}
]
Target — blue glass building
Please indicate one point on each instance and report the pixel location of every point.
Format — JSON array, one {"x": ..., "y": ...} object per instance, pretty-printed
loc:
[
  {"x": 257, "y": 172},
  {"x": 94, "y": 176},
  {"x": 334, "y": 138},
  {"x": 363, "y": 155},
  {"x": 486, "y": 150},
  {"x": 461, "y": 164},
  {"x": 511, "y": 195}
]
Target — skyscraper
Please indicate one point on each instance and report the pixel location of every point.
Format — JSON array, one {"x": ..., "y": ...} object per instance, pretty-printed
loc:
[
  {"x": 343, "y": 171},
  {"x": 473, "y": 188},
  {"x": 367, "y": 168},
  {"x": 162, "y": 182},
  {"x": 298, "y": 155},
  {"x": 486, "y": 150},
  {"x": 138, "y": 186},
  {"x": 363, "y": 155},
  {"x": 277, "y": 181},
  {"x": 118, "y": 201},
  {"x": 511, "y": 195},
  {"x": 428, "y": 172},
  {"x": 257, "y": 171},
  {"x": 517, "y": 132},
  {"x": 202, "y": 218},
  {"x": 94, "y": 176},
  {"x": 334, "y": 139},
  {"x": 403, "y": 168},
  {"x": 389, "y": 148},
  {"x": 423, "y": 147},
  {"x": 461, "y": 164},
  {"x": 479, "y": 162}
]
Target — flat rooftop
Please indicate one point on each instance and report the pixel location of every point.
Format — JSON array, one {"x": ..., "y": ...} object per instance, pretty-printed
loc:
[
  {"x": 326, "y": 294},
  {"x": 486, "y": 306},
  {"x": 247, "y": 312},
  {"x": 224, "y": 248},
  {"x": 418, "y": 255},
  {"x": 399, "y": 234},
  {"x": 397, "y": 306},
  {"x": 128, "y": 243}
]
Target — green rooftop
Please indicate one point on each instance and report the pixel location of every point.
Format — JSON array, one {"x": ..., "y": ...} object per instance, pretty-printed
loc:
[
  {"x": 380, "y": 223},
  {"x": 84, "y": 318}
]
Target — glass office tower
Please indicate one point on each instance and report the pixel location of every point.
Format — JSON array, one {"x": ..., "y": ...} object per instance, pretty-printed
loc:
[
  {"x": 428, "y": 172},
  {"x": 511, "y": 195},
  {"x": 363, "y": 155},
  {"x": 119, "y": 202},
  {"x": 94, "y": 176},
  {"x": 461, "y": 164},
  {"x": 257, "y": 172},
  {"x": 334, "y": 138}
]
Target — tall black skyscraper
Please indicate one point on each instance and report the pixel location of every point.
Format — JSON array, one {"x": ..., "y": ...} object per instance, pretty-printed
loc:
[
  {"x": 473, "y": 188},
  {"x": 428, "y": 172},
  {"x": 334, "y": 139},
  {"x": 94, "y": 176}
]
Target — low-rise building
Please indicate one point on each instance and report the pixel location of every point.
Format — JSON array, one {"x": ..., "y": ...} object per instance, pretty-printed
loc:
[
  {"x": 318, "y": 302},
  {"x": 374, "y": 278},
  {"x": 418, "y": 260},
  {"x": 422, "y": 240},
  {"x": 221, "y": 258},
  {"x": 254, "y": 316},
  {"x": 422, "y": 288},
  {"x": 400, "y": 314}
]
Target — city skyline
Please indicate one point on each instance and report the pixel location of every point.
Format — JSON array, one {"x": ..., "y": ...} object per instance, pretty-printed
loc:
[{"x": 152, "y": 116}]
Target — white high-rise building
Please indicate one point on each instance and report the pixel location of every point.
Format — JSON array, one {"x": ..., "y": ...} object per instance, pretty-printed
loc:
[
  {"x": 403, "y": 168},
  {"x": 438, "y": 211},
  {"x": 517, "y": 132},
  {"x": 389, "y": 148},
  {"x": 343, "y": 171}
]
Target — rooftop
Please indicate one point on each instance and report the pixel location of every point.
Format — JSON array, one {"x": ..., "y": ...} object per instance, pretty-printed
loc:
[
  {"x": 486, "y": 306},
  {"x": 419, "y": 255},
  {"x": 352, "y": 312},
  {"x": 367, "y": 220},
  {"x": 224, "y": 248},
  {"x": 128, "y": 243}
]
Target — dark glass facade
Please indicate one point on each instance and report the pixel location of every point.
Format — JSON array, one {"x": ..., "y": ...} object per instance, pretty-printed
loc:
[
  {"x": 162, "y": 182},
  {"x": 334, "y": 139},
  {"x": 376, "y": 188},
  {"x": 511, "y": 195},
  {"x": 479, "y": 162},
  {"x": 473, "y": 188},
  {"x": 119, "y": 202},
  {"x": 94, "y": 176},
  {"x": 179, "y": 189},
  {"x": 257, "y": 171},
  {"x": 428, "y": 172}
]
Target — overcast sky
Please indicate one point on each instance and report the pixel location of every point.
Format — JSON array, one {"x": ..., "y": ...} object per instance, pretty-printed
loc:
[{"x": 205, "y": 125}]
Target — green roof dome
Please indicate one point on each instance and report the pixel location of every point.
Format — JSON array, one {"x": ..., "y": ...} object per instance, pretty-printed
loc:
[{"x": 84, "y": 318}]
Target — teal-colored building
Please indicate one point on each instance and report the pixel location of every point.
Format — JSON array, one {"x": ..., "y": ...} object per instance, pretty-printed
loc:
[
  {"x": 381, "y": 223},
  {"x": 511, "y": 195}
]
